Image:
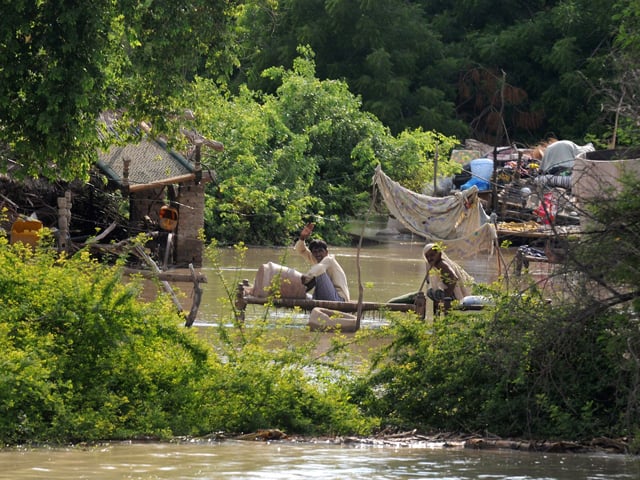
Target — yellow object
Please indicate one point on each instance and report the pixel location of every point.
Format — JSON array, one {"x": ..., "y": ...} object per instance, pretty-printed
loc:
[
  {"x": 530, "y": 226},
  {"x": 168, "y": 218},
  {"x": 26, "y": 231}
]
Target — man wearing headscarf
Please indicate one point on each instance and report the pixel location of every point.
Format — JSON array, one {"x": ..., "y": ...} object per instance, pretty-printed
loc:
[{"x": 446, "y": 277}]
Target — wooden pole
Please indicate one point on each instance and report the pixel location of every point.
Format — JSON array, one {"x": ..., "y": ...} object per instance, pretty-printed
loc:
[
  {"x": 435, "y": 172},
  {"x": 308, "y": 305},
  {"x": 167, "y": 287},
  {"x": 494, "y": 183},
  {"x": 360, "y": 287},
  {"x": 64, "y": 219},
  {"x": 197, "y": 297}
]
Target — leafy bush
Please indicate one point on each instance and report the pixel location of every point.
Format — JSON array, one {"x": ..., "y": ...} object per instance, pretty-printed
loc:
[
  {"x": 262, "y": 386},
  {"x": 273, "y": 376},
  {"x": 88, "y": 360},
  {"x": 525, "y": 368},
  {"x": 309, "y": 150},
  {"x": 85, "y": 358}
]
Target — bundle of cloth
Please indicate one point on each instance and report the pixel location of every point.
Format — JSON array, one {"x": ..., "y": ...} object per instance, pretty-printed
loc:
[{"x": 557, "y": 158}]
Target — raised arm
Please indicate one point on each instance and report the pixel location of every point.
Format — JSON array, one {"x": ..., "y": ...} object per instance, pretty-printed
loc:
[{"x": 307, "y": 231}]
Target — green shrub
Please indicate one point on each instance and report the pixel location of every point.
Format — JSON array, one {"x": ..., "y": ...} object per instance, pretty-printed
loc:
[
  {"x": 84, "y": 358},
  {"x": 525, "y": 368},
  {"x": 87, "y": 359}
]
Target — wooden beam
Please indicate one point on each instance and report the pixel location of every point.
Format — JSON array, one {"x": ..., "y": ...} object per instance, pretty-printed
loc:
[
  {"x": 140, "y": 187},
  {"x": 168, "y": 276},
  {"x": 197, "y": 297},
  {"x": 139, "y": 251},
  {"x": 242, "y": 300}
]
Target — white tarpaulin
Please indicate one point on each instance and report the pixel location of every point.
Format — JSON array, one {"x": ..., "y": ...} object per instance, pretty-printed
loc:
[{"x": 458, "y": 221}]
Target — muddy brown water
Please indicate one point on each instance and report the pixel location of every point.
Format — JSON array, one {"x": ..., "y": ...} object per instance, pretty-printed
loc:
[
  {"x": 386, "y": 271},
  {"x": 297, "y": 461}
]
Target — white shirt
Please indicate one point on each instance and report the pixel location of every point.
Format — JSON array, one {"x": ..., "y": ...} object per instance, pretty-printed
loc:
[{"x": 328, "y": 265}]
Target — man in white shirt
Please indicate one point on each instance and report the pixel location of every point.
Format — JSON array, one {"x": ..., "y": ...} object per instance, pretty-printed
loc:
[{"x": 330, "y": 279}]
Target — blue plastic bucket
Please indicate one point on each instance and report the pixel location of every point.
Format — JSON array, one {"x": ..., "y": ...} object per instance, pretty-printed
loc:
[
  {"x": 482, "y": 168},
  {"x": 481, "y": 171}
]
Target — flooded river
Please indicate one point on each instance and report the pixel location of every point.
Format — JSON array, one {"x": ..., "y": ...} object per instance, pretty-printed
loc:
[
  {"x": 386, "y": 271},
  {"x": 257, "y": 460}
]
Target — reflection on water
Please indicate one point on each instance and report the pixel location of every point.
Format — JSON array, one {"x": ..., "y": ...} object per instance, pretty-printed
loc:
[
  {"x": 257, "y": 460},
  {"x": 385, "y": 271}
]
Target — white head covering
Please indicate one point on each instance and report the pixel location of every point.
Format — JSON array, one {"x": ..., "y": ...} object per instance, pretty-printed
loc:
[{"x": 464, "y": 280}]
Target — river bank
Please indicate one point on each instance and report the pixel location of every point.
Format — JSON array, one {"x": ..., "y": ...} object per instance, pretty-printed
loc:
[
  {"x": 414, "y": 438},
  {"x": 405, "y": 439},
  {"x": 332, "y": 458}
]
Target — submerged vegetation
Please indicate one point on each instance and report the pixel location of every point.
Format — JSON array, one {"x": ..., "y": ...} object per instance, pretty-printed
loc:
[{"x": 86, "y": 359}]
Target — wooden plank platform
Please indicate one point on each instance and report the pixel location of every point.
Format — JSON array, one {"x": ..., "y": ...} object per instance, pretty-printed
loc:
[{"x": 242, "y": 300}]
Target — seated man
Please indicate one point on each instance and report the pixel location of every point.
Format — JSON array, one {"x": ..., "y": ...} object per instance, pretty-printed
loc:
[
  {"x": 329, "y": 277},
  {"x": 446, "y": 277}
]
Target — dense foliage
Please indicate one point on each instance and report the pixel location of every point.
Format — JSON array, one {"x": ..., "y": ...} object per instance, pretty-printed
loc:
[
  {"x": 525, "y": 369},
  {"x": 85, "y": 359},
  {"x": 63, "y": 63},
  {"x": 308, "y": 97},
  {"x": 461, "y": 68},
  {"x": 500, "y": 71},
  {"x": 308, "y": 151},
  {"x": 389, "y": 82}
]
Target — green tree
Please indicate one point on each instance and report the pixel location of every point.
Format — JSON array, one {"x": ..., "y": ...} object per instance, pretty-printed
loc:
[
  {"x": 619, "y": 95},
  {"x": 263, "y": 176},
  {"x": 64, "y": 63},
  {"x": 537, "y": 58},
  {"x": 385, "y": 51},
  {"x": 497, "y": 70},
  {"x": 307, "y": 150}
]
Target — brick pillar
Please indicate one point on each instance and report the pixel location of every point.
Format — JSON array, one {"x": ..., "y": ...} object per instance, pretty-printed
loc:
[{"x": 189, "y": 247}]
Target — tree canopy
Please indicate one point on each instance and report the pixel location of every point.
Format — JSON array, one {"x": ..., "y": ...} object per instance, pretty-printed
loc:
[
  {"x": 494, "y": 70},
  {"x": 309, "y": 149},
  {"x": 64, "y": 63},
  {"x": 389, "y": 81}
]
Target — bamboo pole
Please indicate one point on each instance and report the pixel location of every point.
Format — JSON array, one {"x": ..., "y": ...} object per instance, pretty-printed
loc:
[
  {"x": 304, "y": 304},
  {"x": 197, "y": 297}
]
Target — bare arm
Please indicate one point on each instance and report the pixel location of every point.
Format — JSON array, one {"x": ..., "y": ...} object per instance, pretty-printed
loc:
[
  {"x": 306, "y": 231},
  {"x": 449, "y": 278}
]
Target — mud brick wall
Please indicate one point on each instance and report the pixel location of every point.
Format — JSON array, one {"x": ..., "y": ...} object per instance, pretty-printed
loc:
[
  {"x": 146, "y": 202},
  {"x": 189, "y": 247}
]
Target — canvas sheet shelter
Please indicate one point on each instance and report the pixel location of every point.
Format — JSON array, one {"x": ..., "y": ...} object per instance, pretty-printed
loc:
[{"x": 458, "y": 221}]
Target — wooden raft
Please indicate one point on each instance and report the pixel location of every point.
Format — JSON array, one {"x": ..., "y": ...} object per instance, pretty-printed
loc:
[{"x": 242, "y": 300}]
